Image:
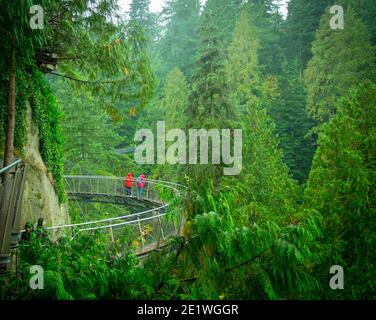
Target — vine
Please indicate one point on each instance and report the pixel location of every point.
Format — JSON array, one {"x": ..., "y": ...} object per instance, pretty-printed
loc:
[{"x": 31, "y": 86}]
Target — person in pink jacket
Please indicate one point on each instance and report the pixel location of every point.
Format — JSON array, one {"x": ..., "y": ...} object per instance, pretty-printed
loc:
[{"x": 141, "y": 185}]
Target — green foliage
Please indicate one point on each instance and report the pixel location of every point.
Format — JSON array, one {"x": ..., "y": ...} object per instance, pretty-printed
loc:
[
  {"x": 366, "y": 10},
  {"x": 242, "y": 65},
  {"x": 224, "y": 14},
  {"x": 341, "y": 60},
  {"x": 15, "y": 27},
  {"x": 22, "y": 93},
  {"x": 32, "y": 89},
  {"x": 269, "y": 23},
  {"x": 47, "y": 116},
  {"x": 179, "y": 44},
  {"x": 255, "y": 96},
  {"x": 174, "y": 99},
  {"x": 209, "y": 104},
  {"x": 89, "y": 133},
  {"x": 302, "y": 22},
  {"x": 293, "y": 125},
  {"x": 341, "y": 187},
  {"x": 170, "y": 108},
  {"x": 269, "y": 189},
  {"x": 223, "y": 259},
  {"x": 117, "y": 69},
  {"x": 245, "y": 237},
  {"x": 86, "y": 268}
]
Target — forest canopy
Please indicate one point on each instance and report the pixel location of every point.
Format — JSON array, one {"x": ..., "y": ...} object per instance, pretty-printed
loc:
[{"x": 297, "y": 78}]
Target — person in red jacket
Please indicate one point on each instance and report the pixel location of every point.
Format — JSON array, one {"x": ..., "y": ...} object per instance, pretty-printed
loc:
[{"x": 128, "y": 184}]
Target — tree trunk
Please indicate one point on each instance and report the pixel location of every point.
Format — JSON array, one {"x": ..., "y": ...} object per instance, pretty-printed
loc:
[{"x": 9, "y": 142}]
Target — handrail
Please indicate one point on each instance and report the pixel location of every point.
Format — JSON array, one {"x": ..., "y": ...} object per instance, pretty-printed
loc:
[
  {"x": 10, "y": 166},
  {"x": 155, "y": 182},
  {"x": 11, "y": 195},
  {"x": 160, "y": 229},
  {"x": 107, "y": 219},
  {"x": 124, "y": 223}
]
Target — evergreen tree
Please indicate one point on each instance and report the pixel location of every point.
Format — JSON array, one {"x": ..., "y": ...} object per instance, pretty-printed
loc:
[
  {"x": 270, "y": 189},
  {"x": 299, "y": 31},
  {"x": 170, "y": 108},
  {"x": 209, "y": 104},
  {"x": 293, "y": 125},
  {"x": 179, "y": 45},
  {"x": 341, "y": 187},
  {"x": 140, "y": 12},
  {"x": 341, "y": 60},
  {"x": 89, "y": 134},
  {"x": 175, "y": 99},
  {"x": 248, "y": 85},
  {"x": 256, "y": 95},
  {"x": 242, "y": 65},
  {"x": 224, "y": 13},
  {"x": 268, "y": 20},
  {"x": 366, "y": 10},
  {"x": 251, "y": 233}
]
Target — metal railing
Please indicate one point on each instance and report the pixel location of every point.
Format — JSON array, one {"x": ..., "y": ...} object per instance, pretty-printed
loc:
[
  {"x": 145, "y": 230},
  {"x": 11, "y": 193}
]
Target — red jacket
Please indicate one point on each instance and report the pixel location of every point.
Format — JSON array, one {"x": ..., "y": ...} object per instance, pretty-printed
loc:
[{"x": 129, "y": 181}]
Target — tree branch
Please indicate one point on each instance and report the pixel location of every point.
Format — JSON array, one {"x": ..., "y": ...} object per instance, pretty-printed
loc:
[
  {"x": 248, "y": 261},
  {"x": 234, "y": 267},
  {"x": 74, "y": 79},
  {"x": 88, "y": 81}
]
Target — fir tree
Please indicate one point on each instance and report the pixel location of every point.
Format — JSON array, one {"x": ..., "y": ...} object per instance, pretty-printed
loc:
[
  {"x": 171, "y": 108},
  {"x": 341, "y": 187},
  {"x": 179, "y": 45},
  {"x": 366, "y": 10},
  {"x": 89, "y": 134},
  {"x": 299, "y": 31},
  {"x": 224, "y": 14},
  {"x": 242, "y": 65},
  {"x": 140, "y": 12},
  {"x": 293, "y": 125},
  {"x": 209, "y": 104},
  {"x": 175, "y": 99},
  {"x": 341, "y": 60}
]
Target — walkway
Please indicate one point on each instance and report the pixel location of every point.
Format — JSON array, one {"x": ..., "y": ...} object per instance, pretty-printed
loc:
[{"x": 145, "y": 230}]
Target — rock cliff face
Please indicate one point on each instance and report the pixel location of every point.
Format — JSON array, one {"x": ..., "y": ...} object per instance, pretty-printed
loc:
[{"x": 40, "y": 198}]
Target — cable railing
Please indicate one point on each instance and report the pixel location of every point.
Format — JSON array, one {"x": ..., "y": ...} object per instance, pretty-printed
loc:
[{"x": 146, "y": 229}]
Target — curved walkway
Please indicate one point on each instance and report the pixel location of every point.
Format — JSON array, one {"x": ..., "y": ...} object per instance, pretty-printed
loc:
[{"x": 147, "y": 229}]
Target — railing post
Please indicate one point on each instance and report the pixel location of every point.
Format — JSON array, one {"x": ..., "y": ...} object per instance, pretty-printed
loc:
[
  {"x": 160, "y": 225},
  {"x": 142, "y": 238},
  {"x": 112, "y": 233},
  {"x": 160, "y": 232}
]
